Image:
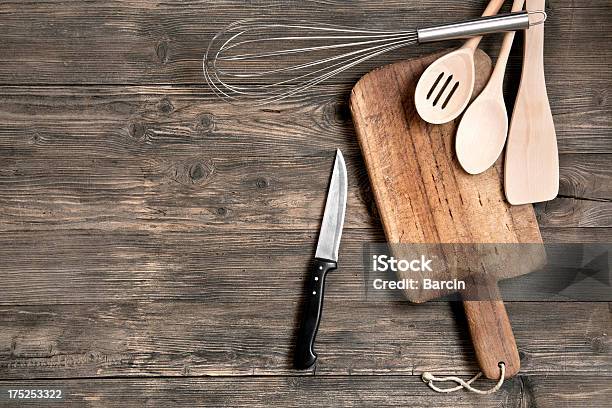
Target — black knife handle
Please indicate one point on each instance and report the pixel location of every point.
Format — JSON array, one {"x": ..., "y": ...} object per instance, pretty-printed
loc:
[{"x": 304, "y": 355}]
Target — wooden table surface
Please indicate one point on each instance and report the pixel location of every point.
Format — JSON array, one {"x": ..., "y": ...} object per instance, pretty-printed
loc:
[{"x": 154, "y": 240}]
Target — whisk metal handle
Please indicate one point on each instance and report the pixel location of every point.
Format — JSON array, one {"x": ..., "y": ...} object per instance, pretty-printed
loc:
[{"x": 484, "y": 25}]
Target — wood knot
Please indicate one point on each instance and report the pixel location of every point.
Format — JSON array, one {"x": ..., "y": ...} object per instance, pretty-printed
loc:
[
  {"x": 196, "y": 172},
  {"x": 35, "y": 139},
  {"x": 599, "y": 97},
  {"x": 162, "y": 50},
  {"x": 138, "y": 131},
  {"x": 222, "y": 211},
  {"x": 338, "y": 112},
  {"x": 206, "y": 123},
  {"x": 262, "y": 183},
  {"x": 165, "y": 106},
  {"x": 600, "y": 344},
  {"x": 193, "y": 172}
]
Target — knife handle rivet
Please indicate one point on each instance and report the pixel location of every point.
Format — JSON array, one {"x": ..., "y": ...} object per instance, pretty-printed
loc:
[
  {"x": 314, "y": 293},
  {"x": 320, "y": 268},
  {"x": 316, "y": 278}
]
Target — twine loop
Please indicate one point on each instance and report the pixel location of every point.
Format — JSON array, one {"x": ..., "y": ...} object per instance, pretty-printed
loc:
[{"x": 429, "y": 379}]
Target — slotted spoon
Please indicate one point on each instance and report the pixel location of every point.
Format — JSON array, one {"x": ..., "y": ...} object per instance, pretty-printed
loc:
[{"x": 446, "y": 86}]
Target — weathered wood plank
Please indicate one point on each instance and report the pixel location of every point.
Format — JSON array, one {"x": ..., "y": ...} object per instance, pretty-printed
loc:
[
  {"x": 203, "y": 189},
  {"x": 565, "y": 212},
  {"x": 60, "y": 42},
  {"x": 105, "y": 121},
  {"x": 251, "y": 337},
  {"x": 95, "y": 266},
  {"x": 318, "y": 391},
  {"x": 576, "y": 234},
  {"x": 586, "y": 177}
]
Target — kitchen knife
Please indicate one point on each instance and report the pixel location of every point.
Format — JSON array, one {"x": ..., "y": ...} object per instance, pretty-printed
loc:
[{"x": 325, "y": 260}]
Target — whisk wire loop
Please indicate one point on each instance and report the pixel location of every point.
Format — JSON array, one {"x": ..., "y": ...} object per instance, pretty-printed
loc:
[{"x": 273, "y": 79}]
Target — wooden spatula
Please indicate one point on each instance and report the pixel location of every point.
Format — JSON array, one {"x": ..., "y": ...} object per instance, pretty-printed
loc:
[
  {"x": 424, "y": 196},
  {"x": 532, "y": 159}
]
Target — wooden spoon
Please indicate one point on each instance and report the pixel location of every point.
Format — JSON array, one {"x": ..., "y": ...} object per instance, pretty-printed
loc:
[
  {"x": 446, "y": 86},
  {"x": 482, "y": 132}
]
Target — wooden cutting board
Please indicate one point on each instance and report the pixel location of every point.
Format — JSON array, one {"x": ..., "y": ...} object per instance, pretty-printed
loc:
[{"x": 424, "y": 196}]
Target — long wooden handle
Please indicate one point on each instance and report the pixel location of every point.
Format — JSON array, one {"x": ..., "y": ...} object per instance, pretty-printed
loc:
[
  {"x": 492, "y": 337},
  {"x": 497, "y": 77},
  {"x": 492, "y": 9}
]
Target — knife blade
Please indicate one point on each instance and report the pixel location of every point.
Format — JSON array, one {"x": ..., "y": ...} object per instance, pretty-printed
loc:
[{"x": 326, "y": 258}]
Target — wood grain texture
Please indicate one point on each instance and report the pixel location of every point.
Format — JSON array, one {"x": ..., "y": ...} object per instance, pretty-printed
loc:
[
  {"x": 524, "y": 391},
  {"x": 96, "y": 266},
  {"x": 198, "y": 338},
  {"x": 142, "y": 119},
  {"x": 135, "y": 42},
  {"x": 123, "y": 181}
]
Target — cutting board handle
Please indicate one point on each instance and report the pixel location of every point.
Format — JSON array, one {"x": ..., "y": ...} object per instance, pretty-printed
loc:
[{"x": 492, "y": 337}]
